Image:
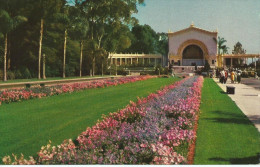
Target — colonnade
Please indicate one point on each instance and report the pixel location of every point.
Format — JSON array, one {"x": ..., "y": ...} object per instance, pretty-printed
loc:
[
  {"x": 129, "y": 59},
  {"x": 244, "y": 59}
]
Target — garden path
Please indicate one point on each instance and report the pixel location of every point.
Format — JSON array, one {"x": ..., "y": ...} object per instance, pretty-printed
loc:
[
  {"x": 247, "y": 99},
  {"x": 53, "y": 82}
]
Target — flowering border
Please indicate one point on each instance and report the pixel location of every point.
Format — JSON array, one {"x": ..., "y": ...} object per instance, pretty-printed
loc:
[
  {"x": 19, "y": 94},
  {"x": 119, "y": 139}
]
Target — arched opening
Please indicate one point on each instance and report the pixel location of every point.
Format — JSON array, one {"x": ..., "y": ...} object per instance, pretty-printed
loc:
[{"x": 192, "y": 55}]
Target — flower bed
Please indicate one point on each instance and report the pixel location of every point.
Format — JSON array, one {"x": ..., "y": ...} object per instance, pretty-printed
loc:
[
  {"x": 155, "y": 130},
  {"x": 14, "y": 95}
]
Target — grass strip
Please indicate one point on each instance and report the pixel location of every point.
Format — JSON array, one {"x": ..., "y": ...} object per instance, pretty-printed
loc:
[
  {"x": 26, "y": 126},
  {"x": 225, "y": 135}
]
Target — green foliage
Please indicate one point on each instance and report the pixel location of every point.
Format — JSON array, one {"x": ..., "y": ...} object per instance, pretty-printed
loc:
[
  {"x": 27, "y": 74},
  {"x": 162, "y": 43},
  {"x": 145, "y": 39},
  {"x": 1, "y": 46},
  {"x": 206, "y": 67},
  {"x": 8, "y": 23},
  {"x": 118, "y": 39},
  {"x": 158, "y": 69},
  {"x": 221, "y": 46},
  {"x": 103, "y": 27},
  {"x": 10, "y": 75},
  {"x": 238, "y": 49}
]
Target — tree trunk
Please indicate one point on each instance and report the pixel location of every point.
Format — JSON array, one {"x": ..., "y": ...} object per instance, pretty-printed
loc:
[
  {"x": 99, "y": 41},
  {"x": 64, "y": 58},
  {"x": 81, "y": 55},
  {"x": 116, "y": 69},
  {"x": 102, "y": 69},
  {"x": 43, "y": 67},
  {"x": 40, "y": 50},
  {"x": 9, "y": 53},
  {"x": 92, "y": 28},
  {"x": 93, "y": 67},
  {"x": 5, "y": 55}
]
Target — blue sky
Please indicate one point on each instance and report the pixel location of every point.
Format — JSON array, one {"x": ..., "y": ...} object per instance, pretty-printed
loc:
[{"x": 235, "y": 20}]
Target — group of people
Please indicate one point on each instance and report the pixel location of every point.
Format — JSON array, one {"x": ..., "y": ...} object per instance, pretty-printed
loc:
[{"x": 234, "y": 74}]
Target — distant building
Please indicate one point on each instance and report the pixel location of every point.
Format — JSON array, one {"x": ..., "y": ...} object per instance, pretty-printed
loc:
[
  {"x": 141, "y": 59},
  {"x": 192, "y": 46},
  {"x": 188, "y": 48}
]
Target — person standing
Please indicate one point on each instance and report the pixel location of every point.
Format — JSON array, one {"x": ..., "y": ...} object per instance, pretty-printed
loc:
[
  {"x": 232, "y": 76},
  {"x": 222, "y": 76},
  {"x": 235, "y": 76},
  {"x": 225, "y": 76},
  {"x": 238, "y": 76}
]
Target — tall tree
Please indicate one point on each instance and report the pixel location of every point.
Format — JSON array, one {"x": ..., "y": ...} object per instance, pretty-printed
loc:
[
  {"x": 238, "y": 49},
  {"x": 64, "y": 19},
  {"x": 46, "y": 9},
  {"x": 145, "y": 39},
  {"x": 101, "y": 54},
  {"x": 79, "y": 29},
  {"x": 107, "y": 12},
  {"x": 163, "y": 43},
  {"x": 118, "y": 38},
  {"x": 8, "y": 24},
  {"x": 40, "y": 49},
  {"x": 221, "y": 47}
]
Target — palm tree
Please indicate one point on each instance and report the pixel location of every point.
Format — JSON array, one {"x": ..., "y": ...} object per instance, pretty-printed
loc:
[
  {"x": 225, "y": 49},
  {"x": 221, "y": 46},
  {"x": 8, "y": 24}
]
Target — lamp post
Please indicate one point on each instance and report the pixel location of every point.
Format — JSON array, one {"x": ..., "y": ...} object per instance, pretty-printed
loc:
[
  {"x": 43, "y": 67},
  {"x": 116, "y": 69}
]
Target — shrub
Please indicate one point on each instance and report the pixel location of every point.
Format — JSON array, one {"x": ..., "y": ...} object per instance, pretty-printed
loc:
[
  {"x": 158, "y": 69},
  {"x": 27, "y": 74},
  {"x": 10, "y": 75},
  {"x": 1, "y": 74},
  {"x": 18, "y": 74}
]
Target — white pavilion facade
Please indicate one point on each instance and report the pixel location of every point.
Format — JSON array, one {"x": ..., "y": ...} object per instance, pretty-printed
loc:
[{"x": 192, "y": 47}]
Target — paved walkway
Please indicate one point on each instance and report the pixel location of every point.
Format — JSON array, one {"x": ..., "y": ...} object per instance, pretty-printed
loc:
[
  {"x": 51, "y": 82},
  {"x": 247, "y": 99},
  {"x": 255, "y": 83}
]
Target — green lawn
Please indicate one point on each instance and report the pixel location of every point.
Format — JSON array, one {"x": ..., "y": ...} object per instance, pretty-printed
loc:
[
  {"x": 225, "y": 135},
  {"x": 25, "y": 126}
]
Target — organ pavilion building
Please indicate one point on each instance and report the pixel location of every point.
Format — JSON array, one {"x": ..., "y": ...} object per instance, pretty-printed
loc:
[
  {"x": 192, "y": 46},
  {"x": 188, "y": 48}
]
